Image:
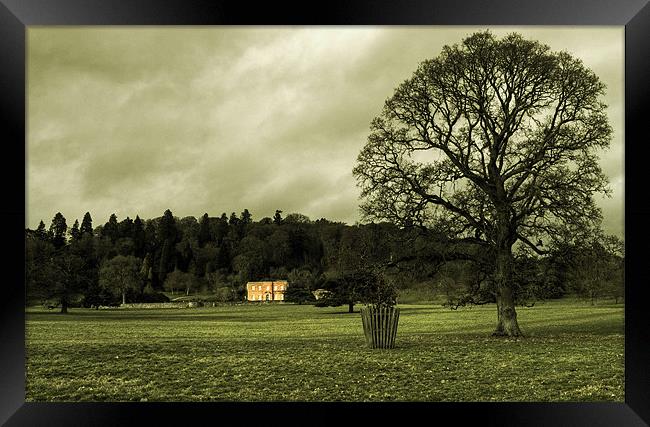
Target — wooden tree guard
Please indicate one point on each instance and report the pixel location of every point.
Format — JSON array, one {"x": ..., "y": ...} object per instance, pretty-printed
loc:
[{"x": 380, "y": 326}]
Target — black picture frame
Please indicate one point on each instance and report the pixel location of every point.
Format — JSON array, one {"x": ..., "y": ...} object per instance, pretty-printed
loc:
[{"x": 16, "y": 15}]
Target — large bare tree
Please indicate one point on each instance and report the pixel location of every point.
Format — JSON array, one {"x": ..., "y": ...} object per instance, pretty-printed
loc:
[{"x": 495, "y": 141}]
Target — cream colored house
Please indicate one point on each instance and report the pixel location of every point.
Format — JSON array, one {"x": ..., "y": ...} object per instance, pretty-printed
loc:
[{"x": 266, "y": 291}]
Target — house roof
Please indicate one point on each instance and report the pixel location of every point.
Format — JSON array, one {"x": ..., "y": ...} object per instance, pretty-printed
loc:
[{"x": 268, "y": 282}]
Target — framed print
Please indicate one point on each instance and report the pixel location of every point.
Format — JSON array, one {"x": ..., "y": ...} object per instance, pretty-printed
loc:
[{"x": 410, "y": 222}]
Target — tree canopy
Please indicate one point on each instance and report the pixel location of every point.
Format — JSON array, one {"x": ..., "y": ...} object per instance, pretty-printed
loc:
[
  {"x": 358, "y": 286},
  {"x": 496, "y": 142},
  {"x": 121, "y": 274}
]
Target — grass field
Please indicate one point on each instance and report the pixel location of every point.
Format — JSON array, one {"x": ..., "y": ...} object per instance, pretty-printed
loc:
[{"x": 571, "y": 352}]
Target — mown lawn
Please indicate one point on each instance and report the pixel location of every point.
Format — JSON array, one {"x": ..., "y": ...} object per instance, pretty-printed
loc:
[{"x": 572, "y": 352}]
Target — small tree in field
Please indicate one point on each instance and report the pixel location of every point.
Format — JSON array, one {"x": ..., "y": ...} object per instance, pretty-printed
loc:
[
  {"x": 180, "y": 281},
  {"x": 120, "y": 274},
  {"x": 597, "y": 269},
  {"x": 360, "y": 286},
  {"x": 299, "y": 289},
  {"x": 53, "y": 275},
  {"x": 494, "y": 142}
]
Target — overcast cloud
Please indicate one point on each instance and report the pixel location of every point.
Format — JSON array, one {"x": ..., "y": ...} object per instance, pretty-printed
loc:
[{"x": 217, "y": 119}]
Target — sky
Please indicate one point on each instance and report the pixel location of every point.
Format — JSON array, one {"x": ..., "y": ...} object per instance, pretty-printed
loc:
[{"x": 137, "y": 120}]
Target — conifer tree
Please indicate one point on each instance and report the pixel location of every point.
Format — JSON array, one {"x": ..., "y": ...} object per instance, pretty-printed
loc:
[
  {"x": 110, "y": 229},
  {"x": 57, "y": 230},
  {"x": 41, "y": 233},
  {"x": 204, "y": 230},
  {"x": 75, "y": 233},
  {"x": 86, "y": 224}
]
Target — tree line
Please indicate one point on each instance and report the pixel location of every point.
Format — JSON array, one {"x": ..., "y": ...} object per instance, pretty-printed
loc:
[{"x": 135, "y": 260}]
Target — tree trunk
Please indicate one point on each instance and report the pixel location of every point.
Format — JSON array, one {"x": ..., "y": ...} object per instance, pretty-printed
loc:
[
  {"x": 64, "y": 306},
  {"x": 123, "y": 297},
  {"x": 351, "y": 307},
  {"x": 506, "y": 315}
]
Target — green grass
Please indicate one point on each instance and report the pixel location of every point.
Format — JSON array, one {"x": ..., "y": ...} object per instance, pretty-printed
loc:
[{"x": 571, "y": 352}]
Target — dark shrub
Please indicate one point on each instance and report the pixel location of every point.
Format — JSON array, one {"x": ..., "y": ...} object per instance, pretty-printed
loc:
[{"x": 150, "y": 297}]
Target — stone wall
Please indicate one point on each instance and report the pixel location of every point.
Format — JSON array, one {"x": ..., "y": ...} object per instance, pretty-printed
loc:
[{"x": 158, "y": 305}]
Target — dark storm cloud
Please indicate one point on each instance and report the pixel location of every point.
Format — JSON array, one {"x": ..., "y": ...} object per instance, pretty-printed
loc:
[{"x": 205, "y": 119}]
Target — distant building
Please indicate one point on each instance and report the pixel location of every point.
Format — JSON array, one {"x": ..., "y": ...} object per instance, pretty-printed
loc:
[
  {"x": 267, "y": 291},
  {"x": 320, "y": 293}
]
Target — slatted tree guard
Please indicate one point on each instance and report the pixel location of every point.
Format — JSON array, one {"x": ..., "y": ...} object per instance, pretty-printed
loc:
[{"x": 380, "y": 325}]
